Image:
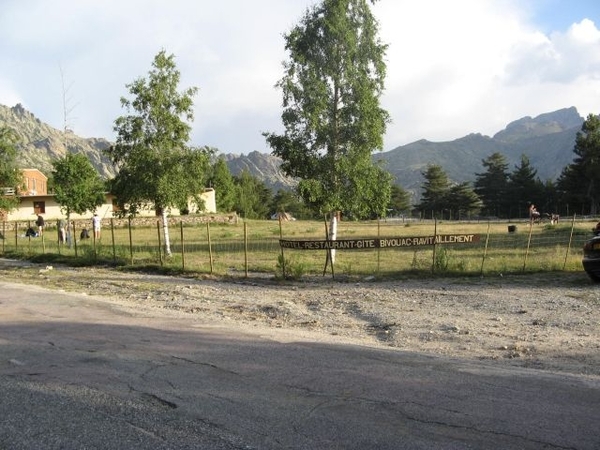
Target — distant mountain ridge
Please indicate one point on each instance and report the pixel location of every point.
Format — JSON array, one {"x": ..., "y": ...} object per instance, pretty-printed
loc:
[
  {"x": 547, "y": 140},
  {"x": 40, "y": 144}
]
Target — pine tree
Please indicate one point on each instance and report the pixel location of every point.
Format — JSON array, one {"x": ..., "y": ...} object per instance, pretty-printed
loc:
[
  {"x": 580, "y": 180},
  {"x": 436, "y": 188},
  {"x": 492, "y": 186},
  {"x": 524, "y": 188}
]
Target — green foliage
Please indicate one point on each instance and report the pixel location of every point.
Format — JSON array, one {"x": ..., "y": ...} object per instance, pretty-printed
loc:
[
  {"x": 443, "y": 200},
  {"x": 462, "y": 201},
  {"x": 156, "y": 166},
  {"x": 287, "y": 201},
  {"x": 492, "y": 186},
  {"x": 580, "y": 180},
  {"x": 331, "y": 113},
  {"x": 77, "y": 186},
  {"x": 222, "y": 181},
  {"x": 399, "y": 200},
  {"x": 253, "y": 197},
  {"x": 10, "y": 175},
  {"x": 289, "y": 268},
  {"x": 524, "y": 188},
  {"x": 442, "y": 260},
  {"x": 435, "y": 192},
  {"x": 556, "y": 248}
]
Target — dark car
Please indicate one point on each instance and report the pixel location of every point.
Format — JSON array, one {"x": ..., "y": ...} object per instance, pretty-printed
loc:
[{"x": 591, "y": 256}]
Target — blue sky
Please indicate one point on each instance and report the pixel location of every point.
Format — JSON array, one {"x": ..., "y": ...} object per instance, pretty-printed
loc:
[
  {"x": 454, "y": 67},
  {"x": 554, "y": 15}
]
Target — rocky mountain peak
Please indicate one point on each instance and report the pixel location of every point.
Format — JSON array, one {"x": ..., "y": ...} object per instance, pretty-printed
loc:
[
  {"x": 544, "y": 124},
  {"x": 40, "y": 144}
]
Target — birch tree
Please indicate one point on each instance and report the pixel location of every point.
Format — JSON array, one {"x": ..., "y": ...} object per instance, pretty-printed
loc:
[
  {"x": 332, "y": 117},
  {"x": 156, "y": 167}
]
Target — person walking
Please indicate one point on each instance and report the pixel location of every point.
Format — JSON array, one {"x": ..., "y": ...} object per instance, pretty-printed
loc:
[{"x": 96, "y": 225}]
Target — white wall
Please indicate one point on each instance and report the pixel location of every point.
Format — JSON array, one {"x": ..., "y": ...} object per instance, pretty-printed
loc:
[{"x": 25, "y": 210}]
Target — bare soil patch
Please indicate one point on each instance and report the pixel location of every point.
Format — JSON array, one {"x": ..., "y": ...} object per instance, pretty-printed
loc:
[{"x": 544, "y": 321}]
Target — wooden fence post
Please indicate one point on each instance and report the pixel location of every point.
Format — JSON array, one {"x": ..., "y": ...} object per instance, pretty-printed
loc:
[
  {"x": 210, "y": 255},
  {"x": 283, "y": 269},
  {"x": 29, "y": 240},
  {"x": 379, "y": 247},
  {"x": 112, "y": 234},
  {"x": 528, "y": 245},
  {"x": 160, "y": 259},
  {"x": 570, "y": 242},
  {"x": 246, "y": 248},
  {"x": 130, "y": 241},
  {"x": 487, "y": 240},
  {"x": 182, "y": 246},
  {"x": 74, "y": 237},
  {"x": 434, "y": 244}
]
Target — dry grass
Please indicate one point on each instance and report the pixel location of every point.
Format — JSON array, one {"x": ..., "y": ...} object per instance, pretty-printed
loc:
[{"x": 254, "y": 246}]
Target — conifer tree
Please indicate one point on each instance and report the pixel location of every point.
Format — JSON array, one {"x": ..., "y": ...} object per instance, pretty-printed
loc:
[
  {"x": 492, "y": 186},
  {"x": 580, "y": 180}
]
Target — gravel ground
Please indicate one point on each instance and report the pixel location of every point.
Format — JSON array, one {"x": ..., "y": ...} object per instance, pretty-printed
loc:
[{"x": 544, "y": 321}]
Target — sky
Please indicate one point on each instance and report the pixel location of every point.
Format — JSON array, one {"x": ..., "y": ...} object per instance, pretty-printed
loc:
[{"x": 453, "y": 67}]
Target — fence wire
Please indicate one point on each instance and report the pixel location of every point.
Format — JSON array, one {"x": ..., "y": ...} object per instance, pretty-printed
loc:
[{"x": 255, "y": 247}]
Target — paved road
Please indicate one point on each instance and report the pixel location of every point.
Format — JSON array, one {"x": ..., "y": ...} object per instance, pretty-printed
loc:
[{"x": 80, "y": 373}]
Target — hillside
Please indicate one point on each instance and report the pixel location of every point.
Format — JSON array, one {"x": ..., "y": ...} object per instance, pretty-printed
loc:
[
  {"x": 40, "y": 144},
  {"x": 263, "y": 166},
  {"x": 547, "y": 140}
]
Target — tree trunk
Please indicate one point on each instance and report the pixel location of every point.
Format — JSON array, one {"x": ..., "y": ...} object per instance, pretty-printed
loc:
[
  {"x": 69, "y": 230},
  {"x": 166, "y": 233},
  {"x": 333, "y": 234}
]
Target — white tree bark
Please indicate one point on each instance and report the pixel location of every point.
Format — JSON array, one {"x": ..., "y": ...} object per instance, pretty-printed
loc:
[
  {"x": 165, "y": 221},
  {"x": 333, "y": 234}
]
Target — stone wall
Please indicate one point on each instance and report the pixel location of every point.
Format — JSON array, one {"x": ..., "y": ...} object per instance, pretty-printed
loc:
[{"x": 141, "y": 222}]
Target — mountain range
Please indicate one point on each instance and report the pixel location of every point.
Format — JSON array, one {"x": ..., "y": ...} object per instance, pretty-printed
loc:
[{"x": 547, "y": 140}]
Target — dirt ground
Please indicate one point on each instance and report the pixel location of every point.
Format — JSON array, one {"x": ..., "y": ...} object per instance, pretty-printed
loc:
[{"x": 543, "y": 321}]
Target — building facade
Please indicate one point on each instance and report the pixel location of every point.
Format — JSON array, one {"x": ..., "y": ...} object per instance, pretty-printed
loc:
[{"x": 34, "y": 200}]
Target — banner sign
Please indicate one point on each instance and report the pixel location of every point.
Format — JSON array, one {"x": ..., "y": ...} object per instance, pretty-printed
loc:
[{"x": 362, "y": 244}]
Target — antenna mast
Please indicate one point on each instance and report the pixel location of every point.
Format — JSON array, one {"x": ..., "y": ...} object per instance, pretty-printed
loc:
[{"x": 67, "y": 109}]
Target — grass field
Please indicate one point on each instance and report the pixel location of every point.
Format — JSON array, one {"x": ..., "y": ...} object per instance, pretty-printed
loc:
[{"x": 253, "y": 246}]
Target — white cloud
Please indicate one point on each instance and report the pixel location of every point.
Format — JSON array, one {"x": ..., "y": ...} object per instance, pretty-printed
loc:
[
  {"x": 473, "y": 66},
  {"x": 453, "y": 67},
  {"x": 8, "y": 95}
]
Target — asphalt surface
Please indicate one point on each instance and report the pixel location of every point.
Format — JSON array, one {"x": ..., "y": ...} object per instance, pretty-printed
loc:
[{"x": 77, "y": 372}]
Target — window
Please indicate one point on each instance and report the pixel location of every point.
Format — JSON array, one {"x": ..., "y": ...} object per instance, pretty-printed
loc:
[{"x": 39, "y": 207}]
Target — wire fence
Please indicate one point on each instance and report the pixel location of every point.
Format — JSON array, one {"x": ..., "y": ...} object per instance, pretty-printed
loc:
[{"x": 298, "y": 248}]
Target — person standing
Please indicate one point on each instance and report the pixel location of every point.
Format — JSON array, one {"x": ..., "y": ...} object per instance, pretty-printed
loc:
[
  {"x": 96, "y": 224},
  {"x": 534, "y": 215},
  {"x": 62, "y": 231},
  {"x": 40, "y": 224}
]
